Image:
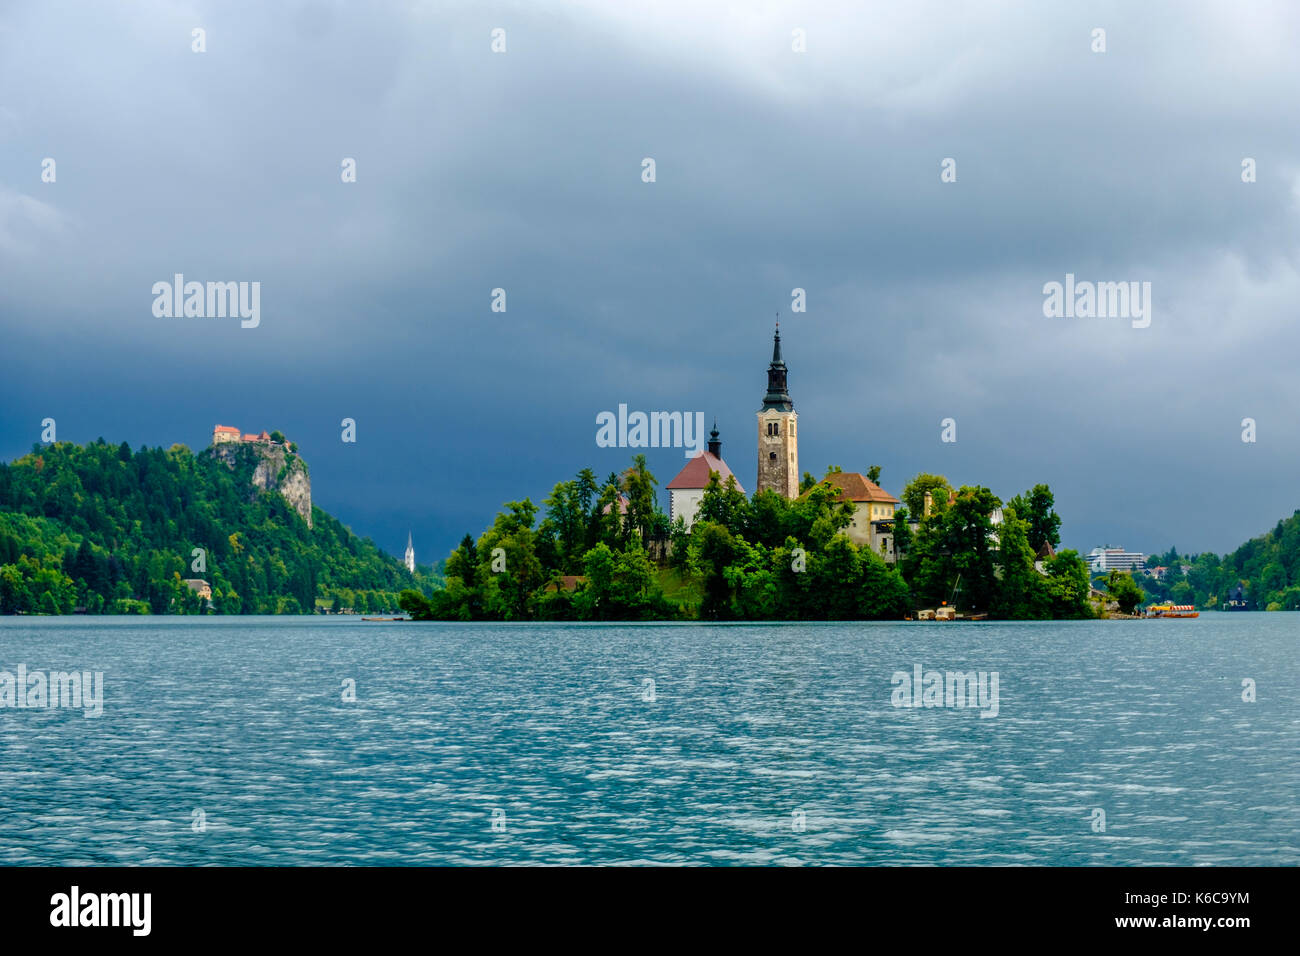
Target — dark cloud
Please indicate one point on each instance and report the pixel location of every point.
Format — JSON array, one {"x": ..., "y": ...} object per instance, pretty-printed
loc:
[{"x": 775, "y": 170}]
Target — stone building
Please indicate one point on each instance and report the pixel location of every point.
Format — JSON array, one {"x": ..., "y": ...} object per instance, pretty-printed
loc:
[{"x": 778, "y": 443}]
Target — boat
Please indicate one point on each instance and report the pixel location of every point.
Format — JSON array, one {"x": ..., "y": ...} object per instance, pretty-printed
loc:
[
  {"x": 1172, "y": 610},
  {"x": 383, "y": 619}
]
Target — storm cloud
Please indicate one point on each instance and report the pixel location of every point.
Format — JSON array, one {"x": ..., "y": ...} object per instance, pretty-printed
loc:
[{"x": 775, "y": 170}]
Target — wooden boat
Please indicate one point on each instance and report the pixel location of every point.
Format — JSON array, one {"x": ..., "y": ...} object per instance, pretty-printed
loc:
[
  {"x": 1172, "y": 610},
  {"x": 383, "y": 619}
]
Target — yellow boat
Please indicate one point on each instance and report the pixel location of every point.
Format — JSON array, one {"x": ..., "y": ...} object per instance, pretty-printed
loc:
[{"x": 1172, "y": 610}]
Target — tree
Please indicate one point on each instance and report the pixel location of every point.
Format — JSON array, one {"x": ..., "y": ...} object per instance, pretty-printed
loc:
[
  {"x": 509, "y": 570},
  {"x": 914, "y": 494},
  {"x": 965, "y": 546},
  {"x": 713, "y": 550},
  {"x": 639, "y": 486},
  {"x": 721, "y": 504},
  {"x": 901, "y": 530},
  {"x": 1021, "y": 594},
  {"x": 873, "y": 474},
  {"x": 1035, "y": 508},
  {"x": 1068, "y": 586},
  {"x": 1124, "y": 591}
]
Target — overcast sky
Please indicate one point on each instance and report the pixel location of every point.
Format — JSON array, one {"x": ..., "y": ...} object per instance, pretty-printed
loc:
[{"x": 774, "y": 170}]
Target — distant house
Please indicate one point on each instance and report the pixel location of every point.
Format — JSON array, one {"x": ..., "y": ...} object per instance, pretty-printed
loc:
[
  {"x": 200, "y": 587},
  {"x": 623, "y": 505},
  {"x": 686, "y": 491},
  {"x": 872, "y": 521},
  {"x": 566, "y": 582}
]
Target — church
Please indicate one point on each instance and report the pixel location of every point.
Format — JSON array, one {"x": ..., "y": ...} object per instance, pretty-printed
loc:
[
  {"x": 686, "y": 491},
  {"x": 778, "y": 450},
  {"x": 778, "y": 468}
]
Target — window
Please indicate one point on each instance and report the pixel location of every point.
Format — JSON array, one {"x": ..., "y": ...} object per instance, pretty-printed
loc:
[
  {"x": 773, "y": 429},
  {"x": 771, "y": 456}
]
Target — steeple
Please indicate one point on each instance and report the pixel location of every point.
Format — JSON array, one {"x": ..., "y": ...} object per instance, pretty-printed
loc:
[
  {"x": 778, "y": 445},
  {"x": 778, "y": 395},
  {"x": 715, "y": 443},
  {"x": 409, "y": 560}
]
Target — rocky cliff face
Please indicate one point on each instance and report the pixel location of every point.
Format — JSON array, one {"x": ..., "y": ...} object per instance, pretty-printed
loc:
[{"x": 274, "y": 468}]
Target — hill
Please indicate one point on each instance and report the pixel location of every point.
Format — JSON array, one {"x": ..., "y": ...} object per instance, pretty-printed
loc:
[
  {"x": 1267, "y": 569},
  {"x": 111, "y": 530}
]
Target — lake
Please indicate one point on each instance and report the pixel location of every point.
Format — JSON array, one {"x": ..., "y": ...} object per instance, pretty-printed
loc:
[{"x": 229, "y": 741}]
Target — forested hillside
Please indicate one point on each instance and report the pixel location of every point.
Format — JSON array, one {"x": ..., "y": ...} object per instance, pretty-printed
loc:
[
  {"x": 111, "y": 530},
  {"x": 1266, "y": 568}
]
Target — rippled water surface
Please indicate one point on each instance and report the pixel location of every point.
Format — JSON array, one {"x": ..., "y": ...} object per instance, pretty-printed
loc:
[{"x": 243, "y": 719}]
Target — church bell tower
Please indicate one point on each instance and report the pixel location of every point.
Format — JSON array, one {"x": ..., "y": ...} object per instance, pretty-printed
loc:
[{"x": 778, "y": 443}]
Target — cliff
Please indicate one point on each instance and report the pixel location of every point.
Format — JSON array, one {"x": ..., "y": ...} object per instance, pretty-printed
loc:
[
  {"x": 272, "y": 468},
  {"x": 231, "y": 530}
]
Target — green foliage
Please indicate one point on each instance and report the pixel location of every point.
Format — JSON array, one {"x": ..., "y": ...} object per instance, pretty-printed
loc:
[
  {"x": 113, "y": 531},
  {"x": 1125, "y": 591},
  {"x": 914, "y": 494},
  {"x": 952, "y": 556},
  {"x": 758, "y": 558},
  {"x": 1266, "y": 568},
  {"x": 1035, "y": 508}
]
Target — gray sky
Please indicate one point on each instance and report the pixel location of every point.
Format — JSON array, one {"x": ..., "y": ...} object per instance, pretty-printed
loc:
[{"x": 775, "y": 170}]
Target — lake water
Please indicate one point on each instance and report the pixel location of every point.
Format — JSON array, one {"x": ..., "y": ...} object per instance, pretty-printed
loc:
[{"x": 228, "y": 741}]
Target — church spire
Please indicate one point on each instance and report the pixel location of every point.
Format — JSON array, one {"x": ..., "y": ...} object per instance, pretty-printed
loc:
[
  {"x": 715, "y": 443},
  {"x": 778, "y": 394}
]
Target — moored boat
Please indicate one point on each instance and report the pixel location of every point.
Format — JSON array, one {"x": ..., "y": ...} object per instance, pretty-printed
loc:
[{"x": 1172, "y": 610}]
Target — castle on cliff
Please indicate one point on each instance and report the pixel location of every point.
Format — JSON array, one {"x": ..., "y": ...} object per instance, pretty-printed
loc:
[
  {"x": 276, "y": 465},
  {"x": 225, "y": 434}
]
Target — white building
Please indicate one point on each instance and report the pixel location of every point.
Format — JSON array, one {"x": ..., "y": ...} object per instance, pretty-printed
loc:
[
  {"x": 1103, "y": 560},
  {"x": 686, "y": 491},
  {"x": 410, "y": 554}
]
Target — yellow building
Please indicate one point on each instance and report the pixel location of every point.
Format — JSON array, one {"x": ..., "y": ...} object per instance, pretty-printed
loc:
[{"x": 875, "y": 511}]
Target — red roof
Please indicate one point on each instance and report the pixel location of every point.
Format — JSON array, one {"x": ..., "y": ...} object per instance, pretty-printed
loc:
[
  {"x": 857, "y": 487},
  {"x": 226, "y": 430},
  {"x": 696, "y": 473},
  {"x": 623, "y": 505}
]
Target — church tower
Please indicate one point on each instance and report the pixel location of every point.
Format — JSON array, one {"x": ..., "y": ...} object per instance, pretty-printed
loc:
[
  {"x": 778, "y": 444},
  {"x": 410, "y": 554}
]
